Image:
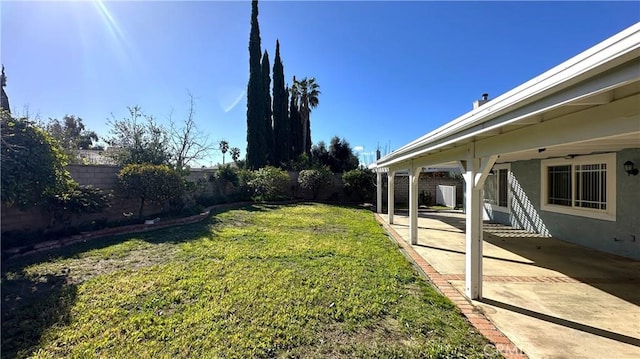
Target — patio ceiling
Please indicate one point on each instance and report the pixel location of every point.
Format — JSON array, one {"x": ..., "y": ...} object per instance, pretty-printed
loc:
[{"x": 599, "y": 86}]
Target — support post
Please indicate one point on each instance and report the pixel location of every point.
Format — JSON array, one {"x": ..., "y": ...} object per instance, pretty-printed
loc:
[
  {"x": 473, "y": 206},
  {"x": 414, "y": 175},
  {"x": 390, "y": 195},
  {"x": 379, "y": 192}
]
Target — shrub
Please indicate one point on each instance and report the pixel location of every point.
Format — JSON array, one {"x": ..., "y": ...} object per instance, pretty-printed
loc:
[
  {"x": 301, "y": 163},
  {"x": 314, "y": 180},
  {"x": 245, "y": 191},
  {"x": 32, "y": 164},
  {"x": 78, "y": 199},
  {"x": 151, "y": 183},
  {"x": 269, "y": 184},
  {"x": 359, "y": 184},
  {"x": 425, "y": 198}
]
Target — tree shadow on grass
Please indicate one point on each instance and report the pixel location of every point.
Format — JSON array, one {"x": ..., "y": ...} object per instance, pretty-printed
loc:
[
  {"x": 175, "y": 235},
  {"x": 30, "y": 306}
]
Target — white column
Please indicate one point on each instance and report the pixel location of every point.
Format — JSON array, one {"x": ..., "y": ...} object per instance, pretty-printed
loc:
[
  {"x": 473, "y": 252},
  {"x": 390, "y": 195},
  {"x": 414, "y": 175},
  {"x": 379, "y": 192}
]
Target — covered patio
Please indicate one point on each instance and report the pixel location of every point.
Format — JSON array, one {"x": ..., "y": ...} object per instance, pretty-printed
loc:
[
  {"x": 555, "y": 158},
  {"x": 581, "y": 117},
  {"x": 551, "y": 298}
]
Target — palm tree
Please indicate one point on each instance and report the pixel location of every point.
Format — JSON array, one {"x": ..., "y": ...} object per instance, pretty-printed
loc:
[
  {"x": 308, "y": 91},
  {"x": 224, "y": 147},
  {"x": 235, "y": 153}
]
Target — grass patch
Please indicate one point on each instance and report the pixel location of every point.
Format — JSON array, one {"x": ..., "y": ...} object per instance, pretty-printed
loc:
[{"x": 263, "y": 281}]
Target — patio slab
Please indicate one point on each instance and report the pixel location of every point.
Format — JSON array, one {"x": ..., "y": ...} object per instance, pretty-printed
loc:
[{"x": 551, "y": 298}]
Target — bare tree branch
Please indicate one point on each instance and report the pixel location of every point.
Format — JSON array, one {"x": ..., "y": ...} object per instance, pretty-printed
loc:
[{"x": 188, "y": 143}]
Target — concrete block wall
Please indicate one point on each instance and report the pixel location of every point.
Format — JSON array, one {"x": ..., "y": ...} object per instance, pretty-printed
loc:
[
  {"x": 331, "y": 192},
  {"x": 105, "y": 178},
  {"x": 427, "y": 182}
]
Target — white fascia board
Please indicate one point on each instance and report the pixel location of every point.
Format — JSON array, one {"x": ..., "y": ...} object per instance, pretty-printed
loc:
[{"x": 566, "y": 73}]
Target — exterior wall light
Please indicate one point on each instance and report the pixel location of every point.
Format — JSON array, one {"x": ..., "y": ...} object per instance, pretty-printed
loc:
[{"x": 629, "y": 168}]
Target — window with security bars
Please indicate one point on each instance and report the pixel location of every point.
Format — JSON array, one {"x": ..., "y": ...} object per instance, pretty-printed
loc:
[
  {"x": 591, "y": 186},
  {"x": 589, "y": 181},
  {"x": 583, "y": 186}
]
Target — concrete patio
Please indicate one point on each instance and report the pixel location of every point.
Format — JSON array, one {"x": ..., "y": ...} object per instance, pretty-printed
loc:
[{"x": 551, "y": 298}]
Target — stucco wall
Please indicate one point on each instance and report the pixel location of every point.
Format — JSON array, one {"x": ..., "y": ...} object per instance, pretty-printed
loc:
[{"x": 610, "y": 236}]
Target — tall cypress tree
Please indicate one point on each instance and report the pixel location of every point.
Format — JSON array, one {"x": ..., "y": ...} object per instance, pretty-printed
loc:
[
  {"x": 267, "y": 121},
  {"x": 256, "y": 145},
  {"x": 281, "y": 124},
  {"x": 295, "y": 121},
  {"x": 4, "y": 99}
]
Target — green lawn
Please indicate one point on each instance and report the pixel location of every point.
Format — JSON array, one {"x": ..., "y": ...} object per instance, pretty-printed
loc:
[{"x": 263, "y": 281}]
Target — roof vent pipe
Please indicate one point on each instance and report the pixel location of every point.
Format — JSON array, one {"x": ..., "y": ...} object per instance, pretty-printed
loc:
[{"x": 478, "y": 103}]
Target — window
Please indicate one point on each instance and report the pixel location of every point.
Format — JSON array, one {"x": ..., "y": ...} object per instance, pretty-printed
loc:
[
  {"x": 583, "y": 186},
  {"x": 496, "y": 188}
]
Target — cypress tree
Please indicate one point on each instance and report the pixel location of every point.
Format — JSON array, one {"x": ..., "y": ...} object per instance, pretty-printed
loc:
[
  {"x": 4, "y": 99},
  {"x": 266, "y": 105},
  {"x": 256, "y": 146},
  {"x": 281, "y": 125},
  {"x": 295, "y": 120}
]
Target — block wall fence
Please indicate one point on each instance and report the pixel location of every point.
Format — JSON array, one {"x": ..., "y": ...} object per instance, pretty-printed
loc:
[{"x": 105, "y": 178}]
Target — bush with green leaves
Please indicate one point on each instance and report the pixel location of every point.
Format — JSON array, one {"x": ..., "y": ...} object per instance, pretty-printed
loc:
[
  {"x": 245, "y": 192},
  {"x": 151, "y": 183},
  {"x": 314, "y": 180},
  {"x": 32, "y": 164},
  {"x": 269, "y": 184},
  {"x": 78, "y": 199},
  {"x": 359, "y": 184},
  {"x": 138, "y": 139},
  {"x": 222, "y": 178}
]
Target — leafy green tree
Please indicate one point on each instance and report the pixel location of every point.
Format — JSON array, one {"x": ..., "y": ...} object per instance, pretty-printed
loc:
[
  {"x": 72, "y": 136},
  {"x": 151, "y": 183},
  {"x": 341, "y": 156},
  {"x": 33, "y": 173},
  {"x": 256, "y": 138},
  {"x": 224, "y": 147},
  {"x": 359, "y": 184},
  {"x": 269, "y": 183},
  {"x": 281, "y": 125},
  {"x": 32, "y": 164},
  {"x": 320, "y": 154},
  {"x": 235, "y": 154},
  {"x": 268, "y": 121},
  {"x": 138, "y": 139},
  {"x": 314, "y": 180}
]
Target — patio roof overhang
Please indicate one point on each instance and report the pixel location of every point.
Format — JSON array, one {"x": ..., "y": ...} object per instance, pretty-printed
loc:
[
  {"x": 588, "y": 104},
  {"x": 537, "y": 114}
]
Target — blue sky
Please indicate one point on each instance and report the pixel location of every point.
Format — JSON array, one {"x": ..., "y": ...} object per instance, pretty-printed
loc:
[{"x": 389, "y": 71}]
